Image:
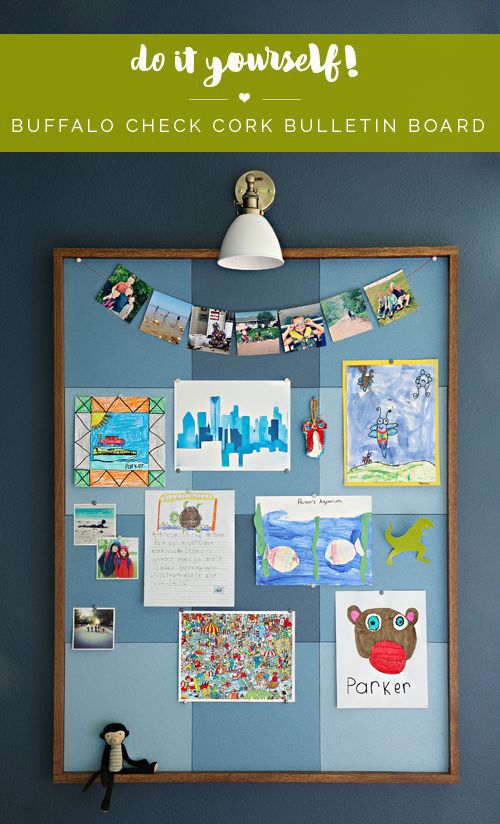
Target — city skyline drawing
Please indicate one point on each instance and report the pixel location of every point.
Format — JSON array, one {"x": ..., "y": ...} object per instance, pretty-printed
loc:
[{"x": 241, "y": 425}]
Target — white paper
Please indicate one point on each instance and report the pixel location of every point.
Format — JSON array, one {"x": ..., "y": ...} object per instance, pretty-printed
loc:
[
  {"x": 232, "y": 425},
  {"x": 359, "y": 683},
  {"x": 189, "y": 548}
]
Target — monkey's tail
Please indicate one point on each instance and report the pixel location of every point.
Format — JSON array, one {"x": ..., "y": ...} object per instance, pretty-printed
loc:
[{"x": 91, "y": 780}]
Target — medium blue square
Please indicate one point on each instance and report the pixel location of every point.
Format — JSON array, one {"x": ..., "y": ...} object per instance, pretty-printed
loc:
[
  {"x": 385, "y": 499},
  {"x": 263, "y": 736},
  {"x": 303, "y": 599},
  {"x": 423, "y": 334},
  {"x": 302, "y": 479},
  {"x": 396, "y": 740},
  {"x": 295, "y": 284}
]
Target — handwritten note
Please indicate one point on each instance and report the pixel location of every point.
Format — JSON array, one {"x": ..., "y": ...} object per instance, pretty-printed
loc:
[{"x": 189, "y": 548}]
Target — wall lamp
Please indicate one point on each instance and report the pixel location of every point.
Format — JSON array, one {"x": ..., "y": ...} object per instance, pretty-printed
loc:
[{"x": 250, "y": 242}]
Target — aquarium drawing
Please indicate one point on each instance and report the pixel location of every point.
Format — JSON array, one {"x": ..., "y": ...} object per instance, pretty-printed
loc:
[
  {"x": 314, "y": 539},
  {"x": 119, "y": 441},
  {"x": 391, "y": 423},
  {"x": 232, "y": 425}
]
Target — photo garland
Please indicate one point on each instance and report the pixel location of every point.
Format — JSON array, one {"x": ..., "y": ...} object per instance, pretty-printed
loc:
[{"x": 258, "y": 332}]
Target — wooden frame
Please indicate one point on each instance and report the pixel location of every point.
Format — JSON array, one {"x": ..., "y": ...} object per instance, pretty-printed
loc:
[{"x": 450, "y": 777}]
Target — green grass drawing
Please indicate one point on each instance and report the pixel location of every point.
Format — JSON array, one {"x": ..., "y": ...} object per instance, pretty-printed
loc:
[
  {"x": 261, "y": 540},
  {"x": 415, "y": 472},
  {"x": 313, "y": 548}
]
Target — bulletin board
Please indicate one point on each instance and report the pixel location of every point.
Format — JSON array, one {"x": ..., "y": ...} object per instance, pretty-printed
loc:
[{"x": 309, "y": 740}]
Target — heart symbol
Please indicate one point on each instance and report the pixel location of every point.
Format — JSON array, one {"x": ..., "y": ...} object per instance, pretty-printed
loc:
[{"x": 244, "y": 96}]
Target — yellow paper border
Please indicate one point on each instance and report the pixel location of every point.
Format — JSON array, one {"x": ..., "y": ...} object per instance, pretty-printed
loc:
[{"x": 432, "y": 361}]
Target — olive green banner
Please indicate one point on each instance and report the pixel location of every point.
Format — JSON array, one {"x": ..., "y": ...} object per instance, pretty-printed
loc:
[{"x": 239, "y": 93}]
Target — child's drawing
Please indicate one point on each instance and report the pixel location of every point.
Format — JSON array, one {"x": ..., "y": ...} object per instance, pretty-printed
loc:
[
  {"x": 119, "y": 441},
  {"x": 390, "y": 431},
  {"x": 313, "y": 540}
]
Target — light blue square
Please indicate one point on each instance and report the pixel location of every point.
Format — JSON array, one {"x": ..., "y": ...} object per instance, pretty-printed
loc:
[
  {"x": 423, "y": 334},
  {"x": 263, "y": 736},
  {"x": 129, "y": 501},
  {"x": 385, "y": 499},
  {"x": 405, "y": 573},
  {"x": 392, "y": 740},
  {"x": 302, "y": 479},
  {"x": 99, "y": 348},
  {"x": 136, "y": 685}
]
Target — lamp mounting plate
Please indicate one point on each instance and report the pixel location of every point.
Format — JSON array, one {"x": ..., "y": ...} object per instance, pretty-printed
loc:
[{"x": 265, "y": 188}]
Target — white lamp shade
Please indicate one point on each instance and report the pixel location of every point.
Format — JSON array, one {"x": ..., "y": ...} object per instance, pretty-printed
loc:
[{"x": 250, "y": 243}]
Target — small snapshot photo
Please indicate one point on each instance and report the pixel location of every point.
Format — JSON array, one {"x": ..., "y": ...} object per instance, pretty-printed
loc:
[
  {"x": 124, "y": 293},
  {"x": 258, "y": 333},
  {"x": 211, "y": 330},
  {"x": 166, "y": 317},
  {"x": 93, "y": 521},
  {"x": 346, "y": 314},
  {"x": 302, "y": 327},
  {"x": 117, "y": 559},
  {"x": 391, "y": 298},
  {"x": 93, "y": 628}
]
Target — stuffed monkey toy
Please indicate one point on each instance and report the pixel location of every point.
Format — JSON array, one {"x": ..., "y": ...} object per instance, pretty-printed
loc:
[{"x": 113, "y": 761}]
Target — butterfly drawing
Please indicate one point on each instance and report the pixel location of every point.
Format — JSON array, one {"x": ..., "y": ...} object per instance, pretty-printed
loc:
[{"x": 382, "y": 429}]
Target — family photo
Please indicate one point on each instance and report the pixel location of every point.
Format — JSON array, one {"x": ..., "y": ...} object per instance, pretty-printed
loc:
[
  {"x": 117, "y": 559},
  {"x": 123, "y": 293},
  {"x": 346, "y": 314},
  {"x": 93, "y": 521},
  {"x": 211, "y": 330},
  {"x": 391, "y": 298}
]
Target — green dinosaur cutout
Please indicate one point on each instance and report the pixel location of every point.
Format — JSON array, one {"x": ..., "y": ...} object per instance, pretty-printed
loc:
[{"x": 411, "y": 541}]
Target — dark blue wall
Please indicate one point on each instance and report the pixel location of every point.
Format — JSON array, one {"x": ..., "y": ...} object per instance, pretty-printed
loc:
[{"x": 142, "y": 200}]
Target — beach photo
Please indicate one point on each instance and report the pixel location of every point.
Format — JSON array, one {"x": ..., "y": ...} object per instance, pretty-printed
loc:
[
  {"x": 391, "y": 298},
  {"x": 166, "y": 317},
  {"x": 302, "y": 327},
  {"x": 117, "y": 559},
  {"x": 258, "y": 333},
  {"x": 346, "y": 314},
  {"x": 93, "y": 521},
  {"x": 93, "y": 628},
  {"x": 123, "y": 293},
  {"x": 211, "y": 330}
]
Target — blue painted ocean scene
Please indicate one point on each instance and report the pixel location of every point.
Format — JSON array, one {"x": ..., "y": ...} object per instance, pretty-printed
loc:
[
  {"x": 120, "y": 440},
  {"x": 316, "y": 550}
]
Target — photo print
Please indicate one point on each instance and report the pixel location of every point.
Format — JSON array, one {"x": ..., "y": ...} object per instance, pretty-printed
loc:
[
  {"x": 346, "y": 314},
  {"x": 211, "y": 330},
  {"x": 124, "y": 293},
  {"x": 117, "y": 559},
  {"x": 258, "y": 333},
  {"x": 391, "y": 298},
  {"x": 93, "y": 521},
  {"x": 166, "y": 317},
  {"x": 302, "y": 327},
  {"x": 93, "y": 628}
]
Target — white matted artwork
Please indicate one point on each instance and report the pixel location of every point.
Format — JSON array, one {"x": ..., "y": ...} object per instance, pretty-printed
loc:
[
  {"x": 232, "y": 425},
  {"x": 381, "y": 649},
  {"x": 189, "y": 548}
]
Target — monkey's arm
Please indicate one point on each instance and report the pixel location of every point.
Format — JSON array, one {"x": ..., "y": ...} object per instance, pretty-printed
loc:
[{"x": 126, "y": 757}]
